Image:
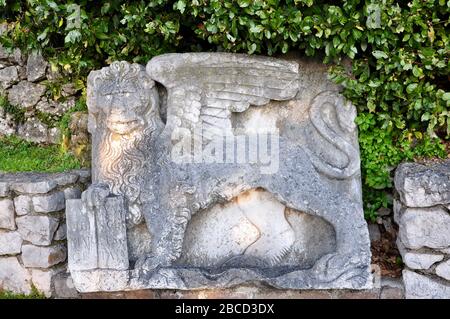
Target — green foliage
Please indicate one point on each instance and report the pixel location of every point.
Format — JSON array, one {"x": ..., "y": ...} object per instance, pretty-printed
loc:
[
  {"x": 17, "y": 114},
  {"x": 399, "y": 78},
  {"x": 35, "y": 294},
  {"x": 18, "y": 155}
]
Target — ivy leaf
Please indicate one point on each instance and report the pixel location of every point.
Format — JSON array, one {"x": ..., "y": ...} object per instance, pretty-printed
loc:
[
  {"x": 73, "y": 36},
  {"x": 379, "y": 54},
  {"x": 180, "y": 5},
  {"x": 411, "y": 87}
]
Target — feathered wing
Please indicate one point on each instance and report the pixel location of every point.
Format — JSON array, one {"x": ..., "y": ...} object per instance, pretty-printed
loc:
[{"x": 205, "y": 88}]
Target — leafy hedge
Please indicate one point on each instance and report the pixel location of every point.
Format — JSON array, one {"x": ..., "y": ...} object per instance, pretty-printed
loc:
[{"x": 399, "y": 78}]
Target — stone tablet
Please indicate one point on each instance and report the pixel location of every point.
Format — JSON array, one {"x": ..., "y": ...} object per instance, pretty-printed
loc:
[{"x": 230, "y": 169}]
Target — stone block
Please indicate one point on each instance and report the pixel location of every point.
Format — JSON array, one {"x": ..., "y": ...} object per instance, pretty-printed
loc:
[
  {"x": 34, "y": 186},
  {"x": 43, "y": 279},
  {"x": 33, "y": 130},
  {"x": 38, "y": 230},
  {"x": 423, "y": 186},
  {"x": 423, "y": 261},
  {"x": 97, "y": 240},
  {"x": 26, "y": 94},
  {"x": 23, "y": 205},
  {"x": 10, "y": 243},
  {"x": 443, "y": 270},
  {"x": 43, "y": 257},
  {"x": 72, "y": 193},
  {"x": 4, "y": 189},
  {"x": 8, "y": 77},
  {"x": 49, "y": 203},
  {"x": 418, "y": 286},
  {"x": 426, "y": 227},
  {"x": 36, "y": 67},
  {"x": 13, "y": 276},
  {"x": 7, "y": 214}
]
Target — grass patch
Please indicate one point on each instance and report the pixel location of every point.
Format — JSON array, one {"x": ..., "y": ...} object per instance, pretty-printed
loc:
[
  {"x": 17, "y": 155},
  {"x": 35, "y": 294}
]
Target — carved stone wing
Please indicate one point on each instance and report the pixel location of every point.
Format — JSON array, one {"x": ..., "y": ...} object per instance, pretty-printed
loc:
[{"x": 205, "y": 88}]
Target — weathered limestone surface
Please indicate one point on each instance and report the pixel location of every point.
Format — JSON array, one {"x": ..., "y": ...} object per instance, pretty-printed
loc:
[
  {"x": 43, "y": 257},
  {"x": 38, "y": 230},
  {"x": 243, "y": 169},
  {"x": 36, "y": 67},
  {"x": 49, "y": 203},
  {"x": 7, "y": 214},
  {"x": 443, "y": 270},
  {"x": 422, "y": 212},
  {"x": 23, "y": 205},
  {"x": 13, "y": 276},
  {"x": 425, "y": 228},
  {"x": 422, "y": 287},
  {"x": 35, "y": 252},
  {"x": 423, "y": 186},
  {"x": 10, "y": 243}
]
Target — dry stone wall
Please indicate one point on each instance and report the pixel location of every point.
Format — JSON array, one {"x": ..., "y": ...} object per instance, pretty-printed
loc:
[
  {"x": 422, "y": 213},
  {"x": 33, "y": 249},
  {"x": 25, "y": 84}
]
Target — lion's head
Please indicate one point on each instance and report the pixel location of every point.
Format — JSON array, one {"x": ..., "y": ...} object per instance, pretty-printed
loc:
[{"x": 123, "y": 108}]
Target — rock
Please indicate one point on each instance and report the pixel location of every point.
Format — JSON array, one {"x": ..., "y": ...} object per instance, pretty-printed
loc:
[
  {"x": 446, "y": 251},
  {"x": 22, "y": 71},
  {"x": 43, "y": 257},
  {"x": 38, "y": 230},
  {"x": 36, "y": 66},
  {"x": 34, "y": 186},
  {"x": 43, "y": 279},
  {"x": 4, "y": 189},
  {"x": 54, "y": 135},
  {"x": 72, "y": 193},
  {"x": 55, "y": 107},
  {"x": 383, "y": 211},
  {"x": 7, "y": 123},
  {"x": 13, "y": 276},
  {"x": 33, "y": 130},
  {"x": 428, "y": 227},
  {"x": 374, "y": 232},
  {"x": 68, "y": 89},
  {"x": 424, "y": 261},
  {"x": 421, "y": 287},
  {"x": 49, "y": 203},
  {"x": 398, "y": 210},
  {"x": 23, "y": 206},
  {"x": 84, "y": 175},
  {"x": 61, "y": 233},
  {"x": 64, "y": 287},
  {"x": 65, "y": 178},
  {"x": 54, "y": 74},
  {"x": 423, "y": 186},
  {"x": 7, "y": 214},
  {"x": 8, "y": 77},
  {"x": 443, "y": 270},
  {"x": 10, "y": 243},
  {"x": 388, "y": 227},
  {"x": 26, "y": 94}
]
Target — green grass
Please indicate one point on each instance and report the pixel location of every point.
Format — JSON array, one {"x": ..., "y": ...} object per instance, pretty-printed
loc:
[
  {"x": 17, "y": 155},
  {"x": 35, "y": 294}
]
